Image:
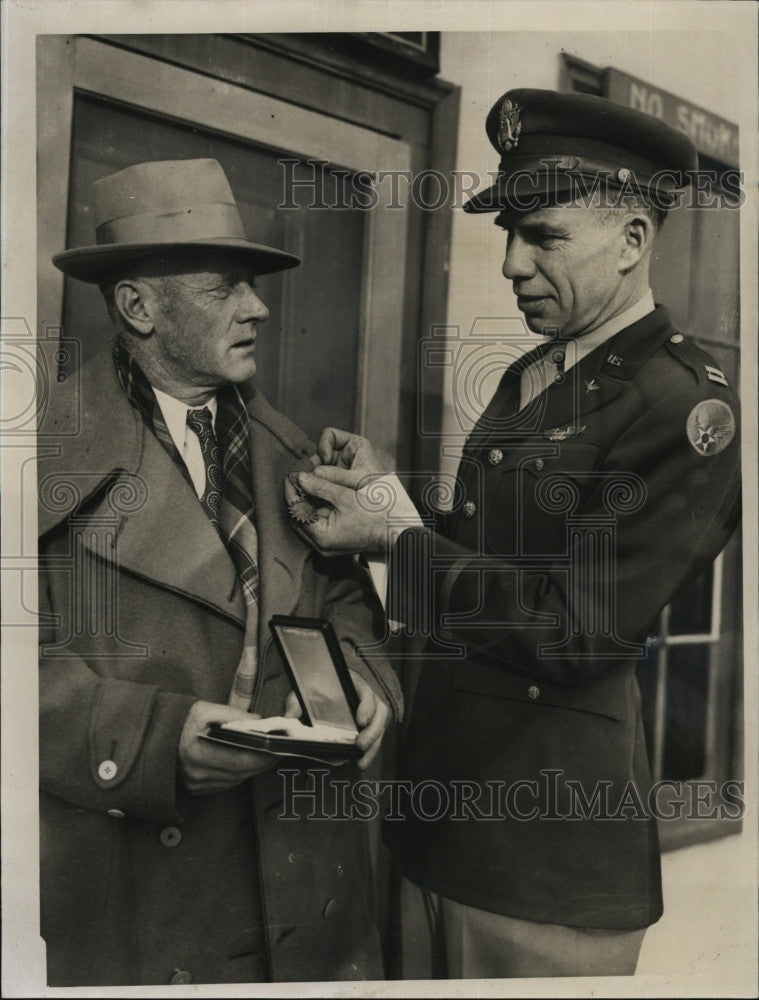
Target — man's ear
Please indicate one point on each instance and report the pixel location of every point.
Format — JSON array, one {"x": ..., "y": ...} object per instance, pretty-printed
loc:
[
  {"x": 135, "y": 303},
  {"x": 638, "y": 235}
]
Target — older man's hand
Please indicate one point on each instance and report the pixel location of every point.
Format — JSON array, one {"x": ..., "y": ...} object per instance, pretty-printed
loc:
[
  {"x": 210, "y": 767},
  {"x": 372, "y": 718}
]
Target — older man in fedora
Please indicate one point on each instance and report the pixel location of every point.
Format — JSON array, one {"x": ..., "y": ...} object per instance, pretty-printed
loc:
[
  {"x": 165, "y": 549},
  {"x": 603, "y": 476}
]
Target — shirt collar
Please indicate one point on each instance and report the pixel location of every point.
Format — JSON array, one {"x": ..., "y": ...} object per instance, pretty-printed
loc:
[
  {"x": 588, "y": 342},
  {"x": 175, "y": 414}
]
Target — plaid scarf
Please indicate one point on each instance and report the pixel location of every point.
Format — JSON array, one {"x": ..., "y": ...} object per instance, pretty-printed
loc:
[{"x": 236, "y": 517}]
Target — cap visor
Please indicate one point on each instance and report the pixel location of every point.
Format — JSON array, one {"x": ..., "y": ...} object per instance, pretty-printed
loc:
[
  {"x": 91, "y": 263},
  {"x": 521, "y": 194}
]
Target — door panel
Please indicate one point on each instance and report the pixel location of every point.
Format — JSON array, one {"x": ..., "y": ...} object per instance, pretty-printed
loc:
[{"x": 307, "y": 351}]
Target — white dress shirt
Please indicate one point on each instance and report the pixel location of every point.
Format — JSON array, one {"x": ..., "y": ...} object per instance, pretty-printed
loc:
[
  {"x": 540, "y": 374},
  {"x": 186, "y": 440}
]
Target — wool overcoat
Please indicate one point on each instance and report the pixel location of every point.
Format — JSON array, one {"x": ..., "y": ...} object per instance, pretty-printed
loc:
[{"x": 142, "y": 615}]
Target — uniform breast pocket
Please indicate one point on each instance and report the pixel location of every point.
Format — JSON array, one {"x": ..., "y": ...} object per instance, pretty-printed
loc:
[{"x": 530, "y": 500}]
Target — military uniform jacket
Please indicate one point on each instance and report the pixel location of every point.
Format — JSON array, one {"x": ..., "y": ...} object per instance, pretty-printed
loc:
[
  {"x": 577, "y": 519},
  {"x": 143, "y": 615}
]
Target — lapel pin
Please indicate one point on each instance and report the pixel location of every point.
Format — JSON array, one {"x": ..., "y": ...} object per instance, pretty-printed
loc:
[{"x": 591, "y": 386}]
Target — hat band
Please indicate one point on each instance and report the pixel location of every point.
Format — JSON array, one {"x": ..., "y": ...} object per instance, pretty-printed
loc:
[
  {"x": 196, "y": 222},
  {"x": 546, "y": 167}
]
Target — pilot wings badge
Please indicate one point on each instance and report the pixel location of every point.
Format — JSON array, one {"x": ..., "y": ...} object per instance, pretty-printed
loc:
[
  {"x": 510, "y": 126},
  {"x": 710, "y": 427},
  {"x": 562, "y": 433}
]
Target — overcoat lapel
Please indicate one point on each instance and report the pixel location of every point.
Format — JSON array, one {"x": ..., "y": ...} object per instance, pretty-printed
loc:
[
  {"x": 140, "y": 511},
  {"x": 278, "y": 448}
]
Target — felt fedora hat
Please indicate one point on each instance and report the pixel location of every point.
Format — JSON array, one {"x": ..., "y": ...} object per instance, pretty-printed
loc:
[{"x": 158, "y": 206}]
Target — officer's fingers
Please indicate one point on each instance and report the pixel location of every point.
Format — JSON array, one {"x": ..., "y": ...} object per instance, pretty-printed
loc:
[
  {"x": 341, "y": 477},
  {"x": 331, "y": 441},
  {"x": 322, "y": 487}
]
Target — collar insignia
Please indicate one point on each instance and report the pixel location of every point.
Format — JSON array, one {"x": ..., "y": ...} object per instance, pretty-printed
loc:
[
  {"x": 510, "y": 126},
  {"x": 562, "y": 433},
  {"x": 592, "y": 386}
]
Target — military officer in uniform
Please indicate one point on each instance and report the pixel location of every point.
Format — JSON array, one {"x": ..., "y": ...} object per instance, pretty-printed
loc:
[{"x": 602, "y": 476}]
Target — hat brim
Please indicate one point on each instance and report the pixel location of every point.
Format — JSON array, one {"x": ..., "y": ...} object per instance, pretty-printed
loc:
[
  {"x": 519, "y": 193},
  {"x": 91, "y": 263}
]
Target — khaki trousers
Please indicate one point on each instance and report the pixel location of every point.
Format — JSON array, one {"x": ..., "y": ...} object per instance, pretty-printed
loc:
[{"x": 443, "y": 939}]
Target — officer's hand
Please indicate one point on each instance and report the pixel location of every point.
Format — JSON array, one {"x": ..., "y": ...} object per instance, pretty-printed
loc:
[
  {"x": 349, "y": 451},
  {"x": 210, "y": 767},
  {"x": 355, "y": 512},
  {"x": 372, "y": 717}
]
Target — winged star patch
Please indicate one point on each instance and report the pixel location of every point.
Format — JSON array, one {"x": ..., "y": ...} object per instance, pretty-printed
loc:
[{"x": 710, "y": 427}]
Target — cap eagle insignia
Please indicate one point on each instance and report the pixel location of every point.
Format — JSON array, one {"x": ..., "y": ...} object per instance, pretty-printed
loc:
[{"x": 510, "y": 126}]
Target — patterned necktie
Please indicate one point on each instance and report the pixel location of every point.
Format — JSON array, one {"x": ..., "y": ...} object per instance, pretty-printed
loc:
[
  {"x": 201, "y": 422},
  {"x": 239, "y": 533}
]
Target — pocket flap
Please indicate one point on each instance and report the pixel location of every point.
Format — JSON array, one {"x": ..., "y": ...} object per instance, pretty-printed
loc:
[{"x": 607, "y": 695}]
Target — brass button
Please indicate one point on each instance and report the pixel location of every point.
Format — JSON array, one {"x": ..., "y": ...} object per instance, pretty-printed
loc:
[
  {"x": 539, "y": 464},
  {"x": 469, "y": 509},
  {"x": 116, "y": 813},
  {"x": 558, "y": 357},
  {"x": 170, "y": 836},
  {"x": 533, "y": 691},
  {"x": 180, "y": 978},
  {"x": 676, "y": 339},
  {"x": 623, "y": 175},
  {"x": 495, "y": 456},
  {"x": 107, "y": 770},
  {"x": 558, "y": 377}
]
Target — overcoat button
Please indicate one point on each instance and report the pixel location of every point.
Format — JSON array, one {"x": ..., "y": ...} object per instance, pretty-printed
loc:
[
  {"x": 677, "y": 338},
  {"x": 180, "y": 978},
  {"x": 558, "y": 377},
  {"x": 469, "y": 509},
  {"x": 533, "y": 691},
  {"x": 330, "y": 908},
  {"x": 107, "y": 770},
  {"x": 116, "y": 813},
  {"x": 495, "y": 456},
  {"x": 558, "y": 357},
  {"x": 539, "y": 464},
  {"x": 170, "y": 837}
]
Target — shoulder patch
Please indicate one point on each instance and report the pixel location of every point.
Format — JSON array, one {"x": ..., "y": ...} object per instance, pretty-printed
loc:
[
  {"x": 715, "y": 375},
  {"x": 710, "y": 427}
]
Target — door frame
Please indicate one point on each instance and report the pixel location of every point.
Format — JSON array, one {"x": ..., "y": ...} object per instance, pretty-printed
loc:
[{"x": 77, "y": 64}]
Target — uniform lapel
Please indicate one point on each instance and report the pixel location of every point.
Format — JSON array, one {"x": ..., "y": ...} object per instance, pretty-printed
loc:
[{"x": 558, "y": 412}]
